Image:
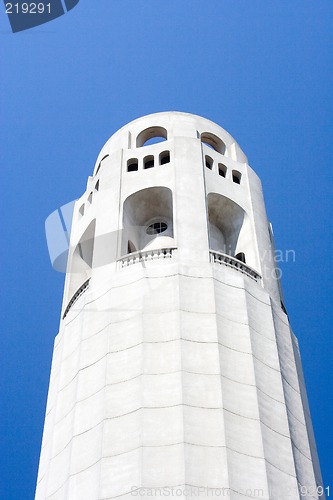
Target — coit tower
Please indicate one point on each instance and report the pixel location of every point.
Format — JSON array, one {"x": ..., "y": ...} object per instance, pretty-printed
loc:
[{"x": 175, "y": 371}]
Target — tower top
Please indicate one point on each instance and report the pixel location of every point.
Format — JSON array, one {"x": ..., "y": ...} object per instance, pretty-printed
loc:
[{"x": 168, "y": 125}]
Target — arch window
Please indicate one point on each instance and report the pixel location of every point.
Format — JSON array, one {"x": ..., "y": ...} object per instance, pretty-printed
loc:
[
  {"x": 97, "y": 186},
  {"x": 90, "y": 197},
  {"x": 132, "y": 165},
  {"x": 222, "y": 170},
  {"x": 225, "y": 222},
  {"x": 151, "y": 135},
  {"x": 230, "y": 229},
  {"x": 148, "y": 162},
  {"x": 164, "y": 157},
  {"x": 157, "y": 228},
  {"x": 236, "y": 177},
  {"x": 209, "y": 162},
  {"x": 148, "y": 219},
  {"x": 81, "y": 210},
  {"x": 214, "y": 142}
]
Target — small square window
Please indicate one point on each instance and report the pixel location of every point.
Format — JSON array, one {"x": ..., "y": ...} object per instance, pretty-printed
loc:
[
  {"x": 164, "y": 158},
  {"x": 132, "y": 165},
  {"x": 209, "y": 162},
  {"x": 148, "y": 162},
  {"x": 222, "y": 170},
  {"x": 236, "y": 176}
]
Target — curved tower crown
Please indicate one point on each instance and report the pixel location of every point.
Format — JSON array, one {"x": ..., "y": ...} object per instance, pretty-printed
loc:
[{"x": 175, "y": 366}]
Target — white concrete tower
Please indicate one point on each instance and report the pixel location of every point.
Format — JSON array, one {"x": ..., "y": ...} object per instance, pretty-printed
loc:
[{"x": 175, "y": 372}]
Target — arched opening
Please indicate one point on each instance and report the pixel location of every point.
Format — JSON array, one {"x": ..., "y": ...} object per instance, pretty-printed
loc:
[
  {"x": 230, "y": 230},
  {"x": 164, "y": 157},
  {"x": 148, "y": 162},
  {"x": 236, "y": 177},
  {"x": 97, "y": 186},
  {"x": 132, "y": 165},
  {"x": 225, "y": 222},
  {"x": 241, "y": 256},
  {"x": 81, "y": 210},
  {"x": 131, "y": 247},
  {"x": 90, "y": 197},
  {"x": 209, "y": 162},
  {"x": 151, "y": 135},
  {"x": 82, "y": 259},
  {"x": 213, "y": 142},
  {"x": 148, "y": 220},
  {"x": 216, "y": 238},
  {"x": 222, "y": 170},
  {"x": 100, "y": 164}
]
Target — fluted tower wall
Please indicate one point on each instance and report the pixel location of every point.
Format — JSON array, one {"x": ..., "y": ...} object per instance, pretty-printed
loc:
[{"x": 175, "y": 365}]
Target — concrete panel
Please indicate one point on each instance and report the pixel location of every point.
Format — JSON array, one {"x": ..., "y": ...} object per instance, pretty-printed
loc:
[
  {"x": 163, "y": 465},
  {"x": 63, "y": 433},
  {"x": 91, "y": 379},
  {"x": 237, "y": 366},
  {"x": 120, "y": 399},
  {"x": 194, "y": 330},
  {"x": 163, "y": 426},
  {"x": 241, "y": 399},
  {"x": 243, "y": 434},
  {"x": 281, "y": 485},
  {"x": 123, "y": 434},
  {"x": 69, "y": 368},
  {"x": 201, "y": 390},
  {"x": 233, "y": 335},
  {"x": 66, "y": 399},
  {"x": 124, "y": 365},
  {"x": 230, "y": 303},
  {"x": 58, "y": 472},
  {"x": 89, "y": 413},
  {"x": 278, "y": 450},
  {"x": 200, "y": 357},
  {"x": 119, "y": 474},
  {"x": 273, "y": 413},
  {"x": 247, "y": 474},
  {"x": 85, "y": 485},
  {"x": 162, "y": 357},
  {"x": 86, "y": 450},
  {"x": 162, "y": 326},
  {"x": 204, "y": 426},
  {"x": 196, "y": 295},
  {"x": 93, "y": 348},
  {"x": 162, "y": 390},
  {"x": 206, "y": 466}
]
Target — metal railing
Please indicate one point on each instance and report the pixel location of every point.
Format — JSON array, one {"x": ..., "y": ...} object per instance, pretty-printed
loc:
[
  {"x": 227, "y": 260},
  {"x": 76, "y": 295},
  {"x": 146, "y": 255}
]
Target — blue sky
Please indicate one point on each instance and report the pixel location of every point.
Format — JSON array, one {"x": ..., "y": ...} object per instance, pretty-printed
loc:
[{"x": 260, "y": 69}]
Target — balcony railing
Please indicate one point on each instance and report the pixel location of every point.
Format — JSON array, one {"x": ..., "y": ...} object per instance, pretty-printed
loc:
[
  {"x": 167, "y": 253},
  {"x": 227, "y": 260},
  {"x": 76, "y": 295},
  {"x": 146, "y": 255}
]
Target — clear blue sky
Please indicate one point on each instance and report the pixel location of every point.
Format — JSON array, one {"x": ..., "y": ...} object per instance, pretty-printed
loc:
[{"x": 261, "y": 69}]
